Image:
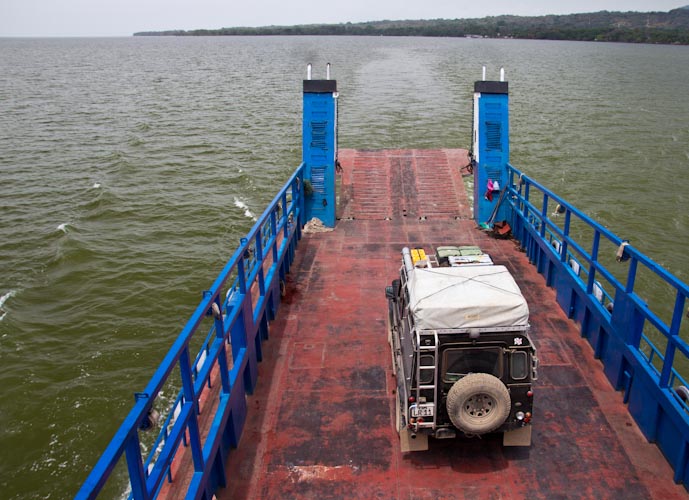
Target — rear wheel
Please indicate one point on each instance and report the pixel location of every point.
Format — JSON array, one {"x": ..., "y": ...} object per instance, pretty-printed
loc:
[{"x": 478, "y": 403}]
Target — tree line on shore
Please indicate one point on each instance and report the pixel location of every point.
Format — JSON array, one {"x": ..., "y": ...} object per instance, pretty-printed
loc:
[{"x": 635, "y": 27}]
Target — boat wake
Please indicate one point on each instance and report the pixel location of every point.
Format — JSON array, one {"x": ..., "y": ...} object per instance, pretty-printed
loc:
[
  {"x": 4, "y": 299},
  {"x": 247, "y": 213}
]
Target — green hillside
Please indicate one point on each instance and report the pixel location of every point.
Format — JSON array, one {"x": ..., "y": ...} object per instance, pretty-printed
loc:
[{"x": 638, "y": 27}]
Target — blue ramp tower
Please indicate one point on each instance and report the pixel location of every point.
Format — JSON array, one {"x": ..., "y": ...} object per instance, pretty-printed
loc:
[
  {"x": 320, "y": 148},
  {"x": 491, "y": 150}
]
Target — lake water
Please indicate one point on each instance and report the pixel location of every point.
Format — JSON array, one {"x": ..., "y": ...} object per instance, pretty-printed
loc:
[{"x": 130, "y": 167}]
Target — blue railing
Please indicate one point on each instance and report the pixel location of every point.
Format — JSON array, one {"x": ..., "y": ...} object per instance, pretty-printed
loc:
[
  {"x": 238, "y": 307},
  {"x": 604, "y": 283}
]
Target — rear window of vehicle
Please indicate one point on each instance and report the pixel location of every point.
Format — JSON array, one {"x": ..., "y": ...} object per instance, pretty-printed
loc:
[
  {"x": 519, "y": 365},
  {"x": 460, "y": 362}
]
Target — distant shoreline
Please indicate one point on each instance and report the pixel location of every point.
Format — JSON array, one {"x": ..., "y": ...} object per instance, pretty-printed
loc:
[{"x": 633, "y": 27}]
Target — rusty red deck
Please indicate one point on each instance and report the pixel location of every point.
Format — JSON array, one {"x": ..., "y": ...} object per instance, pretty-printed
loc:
[{"x": 321, "y": 424}]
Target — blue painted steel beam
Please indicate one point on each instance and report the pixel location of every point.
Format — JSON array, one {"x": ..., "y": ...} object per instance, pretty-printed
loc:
[
  {"x": 490, "y": 150},
  {"x": 319, "y": 138}
]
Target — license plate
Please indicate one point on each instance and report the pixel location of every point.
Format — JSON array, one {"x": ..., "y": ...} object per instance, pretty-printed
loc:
[{"x": 422, "y": 411}]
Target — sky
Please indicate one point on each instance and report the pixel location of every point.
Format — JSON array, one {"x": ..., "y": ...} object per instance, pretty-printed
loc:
[{"x": 124, "y": 17}]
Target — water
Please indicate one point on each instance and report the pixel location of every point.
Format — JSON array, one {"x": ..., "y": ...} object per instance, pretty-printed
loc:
[{"x": 130, "y": 167}]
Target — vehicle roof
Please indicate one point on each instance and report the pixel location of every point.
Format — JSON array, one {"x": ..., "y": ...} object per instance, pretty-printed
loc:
[{"x": 465, "y": 297}]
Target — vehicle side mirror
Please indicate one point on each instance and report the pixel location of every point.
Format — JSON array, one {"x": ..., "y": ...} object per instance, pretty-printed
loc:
[{"x": 393, "y": 291}]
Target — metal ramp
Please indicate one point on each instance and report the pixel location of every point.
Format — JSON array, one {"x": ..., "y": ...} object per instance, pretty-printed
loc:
[{"x": 393, "y": 184}]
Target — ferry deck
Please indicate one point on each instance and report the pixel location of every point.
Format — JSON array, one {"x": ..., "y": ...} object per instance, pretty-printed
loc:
[{"x": 321, "y": 422}]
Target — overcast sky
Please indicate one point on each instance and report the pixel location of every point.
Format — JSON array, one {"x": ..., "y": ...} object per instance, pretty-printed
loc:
[{"x": 124, "y": 17}]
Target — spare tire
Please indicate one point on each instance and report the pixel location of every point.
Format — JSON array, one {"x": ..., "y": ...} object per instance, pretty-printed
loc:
[{"x": 478, "y": 403}]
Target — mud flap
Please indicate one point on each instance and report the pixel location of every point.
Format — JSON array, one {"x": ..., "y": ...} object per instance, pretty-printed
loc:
[
  {"x": 407, "y": 443},
  {"x": 517, "y": 437}
]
